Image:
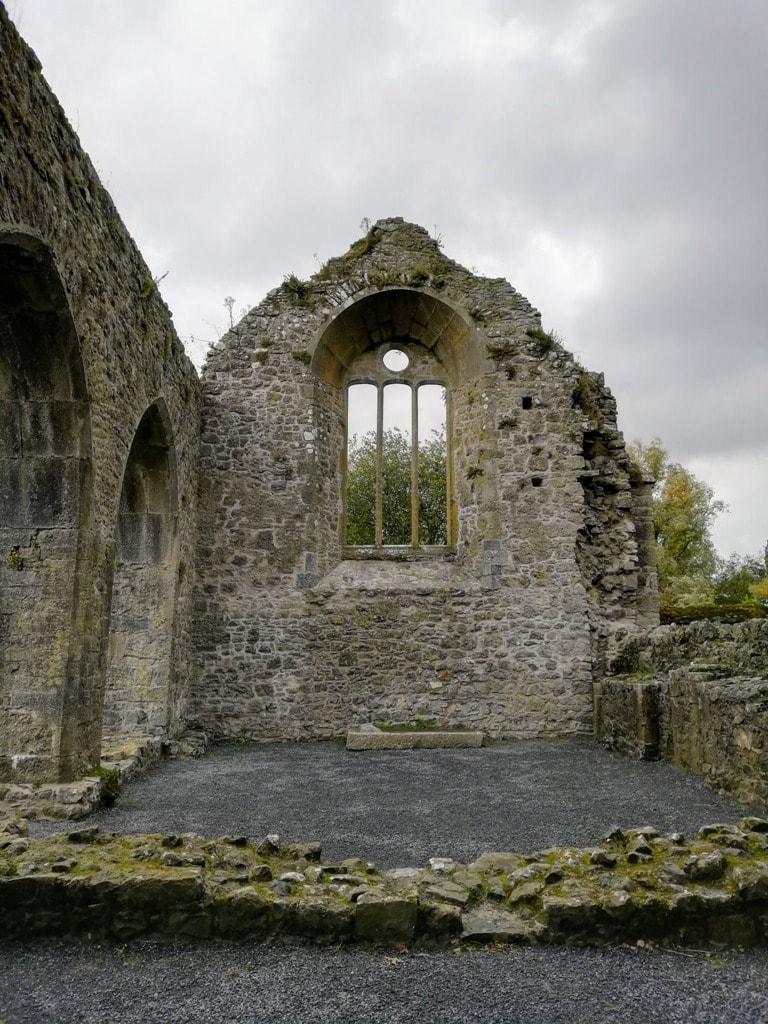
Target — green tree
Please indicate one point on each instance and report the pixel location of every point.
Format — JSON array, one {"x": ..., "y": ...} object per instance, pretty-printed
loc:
[
  {"x": 433, "y": 498},
  {"x": 742, "y": 579},
  {"x": 684, "y": 509},
  {"x": 396, "y": 489}
]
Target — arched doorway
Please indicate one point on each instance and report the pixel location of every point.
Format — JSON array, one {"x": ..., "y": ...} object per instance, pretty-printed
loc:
[
  {"x": 139, "y": 661},
  {"x": 45, "y": 517}
]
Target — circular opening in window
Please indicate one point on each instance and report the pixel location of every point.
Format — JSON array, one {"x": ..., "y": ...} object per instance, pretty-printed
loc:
[{"x": 395, "y": 359}]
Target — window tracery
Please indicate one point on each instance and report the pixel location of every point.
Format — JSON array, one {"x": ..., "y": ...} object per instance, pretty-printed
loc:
[{"x": 397, "y": 454}]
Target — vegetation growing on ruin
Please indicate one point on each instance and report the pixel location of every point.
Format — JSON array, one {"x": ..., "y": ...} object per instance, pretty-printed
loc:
[
  {"x": 635, "y": 885},
  {"x": 14, "y": 559},
  {"x": 501, "y": 350},
  {"x": 586, "y": 398},
  {"x": 385, "y": 278},
  {"x": 419, "y": 276},
  {"x": 300, "y": 291},
  {"x": 365, "y": 244},
  {"x": 419, "y": 725},
  {"x": 542, "y": 342},
  {"x": 110, "y": 782}
]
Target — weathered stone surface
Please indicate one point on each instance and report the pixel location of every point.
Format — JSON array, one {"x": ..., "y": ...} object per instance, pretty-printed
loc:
[
  {"x": 732, "y": 930},
  {"x": 258, "y": 620},
  {"x": 490, "y": 924},
  {"x": 385, "y": 920},
  {"x": 447, "y": 892},
  {"x": 493, "y": 631},
  {"x": 14, "y": 827},
  {"x": 753, "y": 824},
  {"x": 705, "y": 866},
  {"x": 497, "y": 863},
  {"x": 696, "y": 695},
  {"x": 378, "y": 739},
  {"x": 124, "y": 887},
  {"x": 242, "y": 914},
  {"x": 439, "y": 922},
  {"x": 314, "y": 920},
  {"x": 526, "y": 892},
  {"x": 603, "y": 859},
  {"x": 88, "y": 354},
  {"x": 442, "y": 865},
  {"x": 752, "y": 882}
]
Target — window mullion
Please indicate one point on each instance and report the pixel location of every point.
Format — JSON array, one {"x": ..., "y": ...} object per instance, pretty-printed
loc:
[
  {"x": 450, "y": 507},
  {"x": 414, "y": 466},
  {"x": 378, "y": 530}
]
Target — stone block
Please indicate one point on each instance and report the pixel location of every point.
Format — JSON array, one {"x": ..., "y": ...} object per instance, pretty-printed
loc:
[
  {"x": 379, "y": 739},
  {"x": 491, "y": 924},
  {"x": 385, "y": 920}
]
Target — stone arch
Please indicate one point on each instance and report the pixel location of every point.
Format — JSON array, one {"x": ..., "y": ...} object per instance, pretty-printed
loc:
[
  {"x": 405, "y": 314},
  {"x": 139, "y": 674},
  {"x": 369, "y": 322},
  {"x": 45, "y": 520}
]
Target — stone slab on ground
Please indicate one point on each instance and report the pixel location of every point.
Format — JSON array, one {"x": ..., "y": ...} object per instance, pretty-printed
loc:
[{"x": 371, "y": 738}]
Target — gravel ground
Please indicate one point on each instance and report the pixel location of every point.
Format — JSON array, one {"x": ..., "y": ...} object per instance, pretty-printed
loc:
[
  {"x": 398, "y": 808},
  {"x": 147, "y": 983},
  {"x": 395, "y": 808}
]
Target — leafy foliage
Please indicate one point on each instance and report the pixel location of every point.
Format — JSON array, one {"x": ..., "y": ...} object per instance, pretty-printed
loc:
[
  {"x": 717, "y": 612},
  {"x": 684, "y": 509},
  {"x": 694, "y": 583},
  {"x": 396, "y": 489},
  {"x": 742, "y": 579}
]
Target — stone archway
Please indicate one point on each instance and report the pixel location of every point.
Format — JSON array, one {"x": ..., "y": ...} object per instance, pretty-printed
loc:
[
  {"x": 45, "y": 519},
  {"x": 139, "y": 660},
  {"x": 440, "y": 336}
]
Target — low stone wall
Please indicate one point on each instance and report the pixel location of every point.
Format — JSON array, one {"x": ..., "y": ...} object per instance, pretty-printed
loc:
[
  {"x": 732, "y": 649},
  {"x": 696, "y": 695},
  {"x": 635, "y": 885},
  {"x": 71, "y": 801}
]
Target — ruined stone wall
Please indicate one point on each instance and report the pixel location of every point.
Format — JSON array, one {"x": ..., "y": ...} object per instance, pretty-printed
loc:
[
  {"x": 87, "y": 347},
  {"x": 299, "y": 636},
  {"x": 696, "y": 695},
  {"x": 293, "y": 634}
]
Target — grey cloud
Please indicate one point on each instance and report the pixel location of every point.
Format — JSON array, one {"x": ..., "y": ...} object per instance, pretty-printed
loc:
[{"x": 242, "y": 139}]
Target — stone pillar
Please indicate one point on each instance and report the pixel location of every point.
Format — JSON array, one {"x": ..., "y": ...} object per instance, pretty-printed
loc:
[{"x": 647, "y": 579}]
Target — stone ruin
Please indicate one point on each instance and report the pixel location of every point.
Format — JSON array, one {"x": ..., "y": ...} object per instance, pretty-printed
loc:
[
  {"x": 545, "y": 557},
  {"x": 175, "y": 551}
]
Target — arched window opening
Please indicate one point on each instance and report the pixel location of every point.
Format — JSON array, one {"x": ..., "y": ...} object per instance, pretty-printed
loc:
[{"x": 397, "y": 480}]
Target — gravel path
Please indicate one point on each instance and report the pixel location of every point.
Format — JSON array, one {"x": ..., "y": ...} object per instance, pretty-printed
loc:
[
  {"x": 53, "y": 983},
  {"x": 395, "y": 808},
  {"x": 398, "y": 808}
]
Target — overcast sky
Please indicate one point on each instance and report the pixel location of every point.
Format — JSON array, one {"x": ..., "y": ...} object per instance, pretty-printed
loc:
[{"x": 609, "y": 158}]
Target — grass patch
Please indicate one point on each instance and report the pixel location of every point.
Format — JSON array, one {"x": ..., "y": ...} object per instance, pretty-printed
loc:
[
  {"x": 420, "y": 725},
  {"x": 585, "y": 397},
  {"x": 542, "y": 342}
]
